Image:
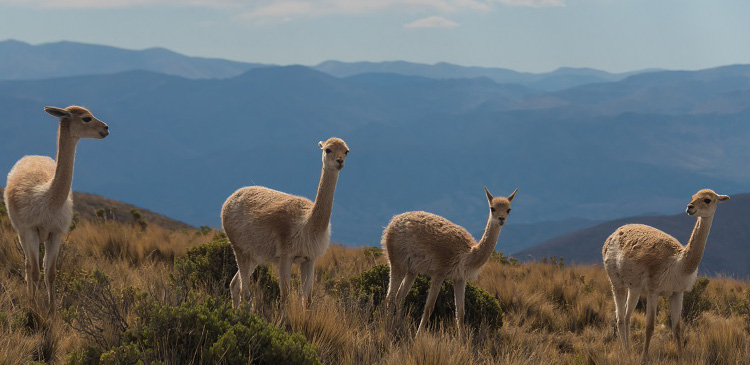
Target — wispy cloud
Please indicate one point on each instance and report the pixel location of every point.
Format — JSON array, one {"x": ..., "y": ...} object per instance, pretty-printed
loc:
[
  {"x": 275, "y": 10},
  {"x": 434, "y": 21}
]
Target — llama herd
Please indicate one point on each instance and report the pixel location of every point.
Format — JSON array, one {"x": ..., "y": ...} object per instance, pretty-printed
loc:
[{"x": 269, "y": 226}]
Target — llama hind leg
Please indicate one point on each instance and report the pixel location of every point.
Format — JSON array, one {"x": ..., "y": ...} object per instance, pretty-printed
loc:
[
  {"x": 633, "y": 296},
  {"x": 396, "y": 277},
  {"x": 403, "y": 291},
  {"x": 241, "y": 282},
  {"x": 51, "y": 250},
  {"x": 30, "y": 245},
  {"x": 429, "y": 305},
  {"x": 621, "y": 295}
]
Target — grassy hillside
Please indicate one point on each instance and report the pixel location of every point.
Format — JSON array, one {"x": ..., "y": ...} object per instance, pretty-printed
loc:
[
  {"x": 93, "y": 207},
  {"x": 127, "y": 293}
]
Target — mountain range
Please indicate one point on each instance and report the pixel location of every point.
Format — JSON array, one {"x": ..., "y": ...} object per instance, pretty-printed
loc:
[
  {"x": 586, "y": 154},
  {"x": 726, "y": 250}
]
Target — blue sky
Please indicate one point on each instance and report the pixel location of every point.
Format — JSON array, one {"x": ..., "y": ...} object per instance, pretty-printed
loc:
[{"x": 525, "y": 35}]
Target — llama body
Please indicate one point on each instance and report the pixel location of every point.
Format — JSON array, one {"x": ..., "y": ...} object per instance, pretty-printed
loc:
[
  {"x": 640, "y": 259},
  {"x": 269, "y": 226},
  {"x": 39, "y": 196},
  {"x": 428, "y": 244}
]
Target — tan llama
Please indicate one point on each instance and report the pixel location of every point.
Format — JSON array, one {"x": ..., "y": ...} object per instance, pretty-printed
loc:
[
  {"x": 269, "y": 226},
  {"x": 640, "y": 259},
  {"x": 39, "y": 196},
  {"x": 425, "y": 243}
]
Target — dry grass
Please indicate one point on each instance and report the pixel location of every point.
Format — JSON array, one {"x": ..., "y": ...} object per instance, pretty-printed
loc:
[{"x": 553, "y": 314}]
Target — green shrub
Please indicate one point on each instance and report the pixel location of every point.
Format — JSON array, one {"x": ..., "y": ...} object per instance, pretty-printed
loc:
[
  {"x": 211, "y": 266},
  {"x": 696, "y": 301},
  {"x": 207, "y": 331},
  {"x": 480, "y": 306}
]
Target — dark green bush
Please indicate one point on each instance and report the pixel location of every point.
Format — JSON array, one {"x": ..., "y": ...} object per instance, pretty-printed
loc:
[
  {"x": 696, "y": 301},
  {"x": 211, "y": 266},
  {"x": 208, "y": 331},
  {"x": 480, "y": 306}
]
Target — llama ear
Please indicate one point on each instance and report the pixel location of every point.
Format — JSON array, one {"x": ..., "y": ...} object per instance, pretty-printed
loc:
[
  {"x": 723, "y": 198},
  {"x": 489, "y": 196},
  {"x": 512, "y": 195},
  {"x": 320, "y": 144},
  {"x": 56, "y": 112}
]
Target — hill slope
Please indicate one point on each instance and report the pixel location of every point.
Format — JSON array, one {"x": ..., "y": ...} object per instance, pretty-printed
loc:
[
  {"x": 727, "y": 250},
  {"x": 87, "y": 204}
]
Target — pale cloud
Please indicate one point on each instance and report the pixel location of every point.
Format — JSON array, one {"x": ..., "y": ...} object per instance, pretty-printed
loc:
[
  {"x": 434, "y": 21},
  {"x": 262, "y": 11}
]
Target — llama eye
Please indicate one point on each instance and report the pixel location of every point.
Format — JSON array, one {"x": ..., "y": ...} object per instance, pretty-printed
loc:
[
  {"x": 707, "y": 201},
  {"x": 346, "y": 153},
  {"x": 328, "y": 150},
  {"x": 492, "y": 209},
  {"x": 86, "y": 119},
  {"x": 508, "y": 210}
]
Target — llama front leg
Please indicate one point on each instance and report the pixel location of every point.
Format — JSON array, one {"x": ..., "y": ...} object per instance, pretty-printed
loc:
[
  {"x": 307, "y": 271},
  {"x": 459, "y": 290},
  {"x": 51, "y": 250},
  {"x": 675, "y": 307},
  {"x": 429, "y": 305},
  {"x": 30, "y": 244}
]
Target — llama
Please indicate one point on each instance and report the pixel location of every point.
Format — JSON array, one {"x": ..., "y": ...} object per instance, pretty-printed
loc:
[
  {"x": 641, "y": 258},
  {"x": 265, "y": 225},
  {"x": 39, "y": 196},
  {"x": 425, "y": 243}
]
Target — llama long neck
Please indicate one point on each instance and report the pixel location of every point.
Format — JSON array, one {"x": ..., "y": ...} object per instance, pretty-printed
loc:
[
  {"x": 482, "y": 252},
  {"x": 696, "y": 245},
  {"x": 320, "y": 216},
  {"x": 66, "y": 154}
]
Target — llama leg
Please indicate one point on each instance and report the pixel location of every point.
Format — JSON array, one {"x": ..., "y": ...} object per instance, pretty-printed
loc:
[
  {"x": 675, "y": 307},
  {"x": 459, "y": 290},
  {"x": 633, "y": 296},
  {"x": 307, "y": 271},
  {"x": 430, "y": 304},
  {"x": 651, "y": 302},
  {"x": 51, "y": 250},
  {"x": 234, "y": 288},
  {"x": 403, "y": 291},
  {"x": 621, "y": 296},
  {"x": 285, "y": 275},
  {"x": 30, "y": 245},
  {"x": 396, "y": 278}
]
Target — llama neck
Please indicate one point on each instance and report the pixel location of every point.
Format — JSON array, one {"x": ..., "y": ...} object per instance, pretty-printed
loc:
[
  {"x": 320, "y": 216},
  {"x": 59, "y": 189},
  {"x": 482, "y": 252},
  {"x": 696, "y": 245}
]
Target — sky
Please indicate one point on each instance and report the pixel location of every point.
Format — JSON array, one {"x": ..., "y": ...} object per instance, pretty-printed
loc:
[{"x": 524, "y": 35}]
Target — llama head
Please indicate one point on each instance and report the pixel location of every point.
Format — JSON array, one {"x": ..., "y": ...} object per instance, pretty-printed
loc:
[
  {"x": 80, "y": 121},
  {"x": 703, "y": 203},
  {"x": 499, "y": 206},
  {"x": 334, "y": 153}
]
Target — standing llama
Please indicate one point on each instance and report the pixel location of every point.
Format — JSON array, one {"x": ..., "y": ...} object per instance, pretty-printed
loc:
[
  {"x": 641, "y": 258},
  {"x": 266, "y": 225},
  {"x": 426, "y": 243},
  {"x": 39, "y": 195}
]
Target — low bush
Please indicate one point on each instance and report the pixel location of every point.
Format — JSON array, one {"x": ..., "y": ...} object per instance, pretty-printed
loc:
[{"x": 481, "y": 307}]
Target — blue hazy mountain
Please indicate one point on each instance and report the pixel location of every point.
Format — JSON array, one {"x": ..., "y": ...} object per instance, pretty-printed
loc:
[
  {"x": 180, "y": 146},
  {"x": 726, "y": 250},
  {"x": 560, "y": 79},
  {"x": 19, "y": 60}
]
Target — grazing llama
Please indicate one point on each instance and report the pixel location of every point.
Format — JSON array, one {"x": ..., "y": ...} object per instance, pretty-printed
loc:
[
  {"x": 640, "y": 258},
  {"x": 425, "y": 243},
  {"x": 266, "y": 225},
  {"x": 39, "y": 196}
]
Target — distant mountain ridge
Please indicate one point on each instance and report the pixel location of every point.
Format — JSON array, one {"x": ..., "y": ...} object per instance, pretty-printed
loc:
[
  {"x": 22, "y": 61},
  {"x": 727, "y": 250}
]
